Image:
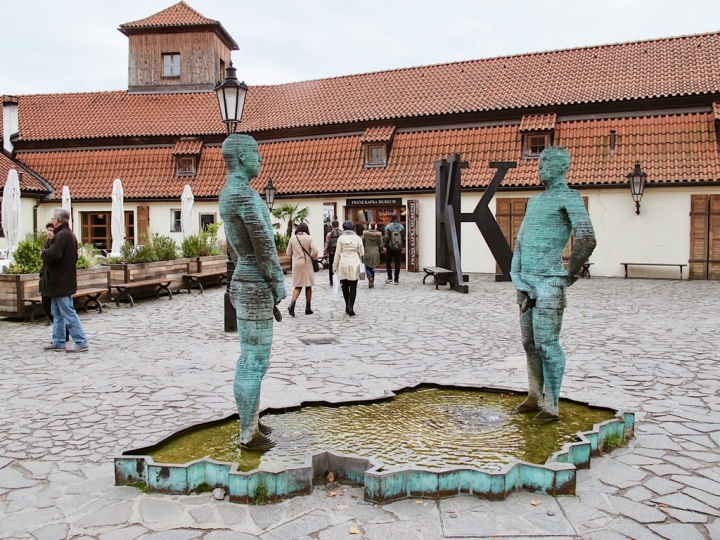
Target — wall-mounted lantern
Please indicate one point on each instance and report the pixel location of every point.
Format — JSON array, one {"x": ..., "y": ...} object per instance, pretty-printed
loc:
[
  {"x": 637, "y": 180},
  {"x": 270, "y": 191}
]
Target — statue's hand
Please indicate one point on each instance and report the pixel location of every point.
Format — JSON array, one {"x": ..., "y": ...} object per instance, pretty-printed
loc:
[{"x": 278, "y": 291}]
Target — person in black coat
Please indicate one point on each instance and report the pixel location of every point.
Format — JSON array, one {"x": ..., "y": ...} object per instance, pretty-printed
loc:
[
  {"x": 60, "y": 283},
  {"x": 47, "y": 300}
]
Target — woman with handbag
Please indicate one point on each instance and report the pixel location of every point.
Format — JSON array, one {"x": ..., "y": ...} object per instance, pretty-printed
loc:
[
  {"x": 346, "y": 265},
  {"x": 304, "y": 254}
]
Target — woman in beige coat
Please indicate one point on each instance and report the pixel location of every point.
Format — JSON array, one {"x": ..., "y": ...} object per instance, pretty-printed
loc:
[
  {"x": 346, "y": 265},
  {"x": 303, "y": 250}
]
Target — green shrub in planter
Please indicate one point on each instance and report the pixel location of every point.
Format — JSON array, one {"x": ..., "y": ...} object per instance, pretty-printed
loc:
[
  {"x": 154, "y": 248},
  {"x": 204, "y": 244},
  {"x": 26, "y": 258},
  {"x": 88, "y": 256},
  {"x": 281, "y": 242}
]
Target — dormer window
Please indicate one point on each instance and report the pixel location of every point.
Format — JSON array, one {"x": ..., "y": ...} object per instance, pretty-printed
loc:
[
  {"x": 376, "y": 144},
  {"x": 537, "y": 133},
  {"x": 534, "y": 143},
  {"x": 171, "y": 64},
  {"x": 187, "y": 156},
  {"x": 186, "y": 166},
  {"x": 375, "y": 154}
]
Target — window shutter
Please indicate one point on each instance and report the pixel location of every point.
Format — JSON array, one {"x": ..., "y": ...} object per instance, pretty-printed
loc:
[
  {"x": 143, "y": 223},
  {"x": 714, "y": 238},
  {"x": 698, "y": 236}
]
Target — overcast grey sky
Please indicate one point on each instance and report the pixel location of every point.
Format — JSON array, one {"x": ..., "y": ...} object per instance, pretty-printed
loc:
[{"x": 74, "y": 45}]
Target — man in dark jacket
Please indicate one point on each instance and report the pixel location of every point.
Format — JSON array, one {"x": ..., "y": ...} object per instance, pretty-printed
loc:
[{"x": 61, "y": 283}]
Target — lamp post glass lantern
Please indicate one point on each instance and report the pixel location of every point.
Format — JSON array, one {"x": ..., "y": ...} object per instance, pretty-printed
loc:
[
  {"x": 637, "y": 180},
  {"x": 231, "y": 98},
  {"x": 270, "y": 191}
]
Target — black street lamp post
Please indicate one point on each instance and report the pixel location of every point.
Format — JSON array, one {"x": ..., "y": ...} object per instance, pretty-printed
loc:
[{"x": 231, "y": 99}]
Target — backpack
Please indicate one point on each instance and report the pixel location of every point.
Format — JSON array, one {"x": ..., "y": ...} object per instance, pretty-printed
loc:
[
  {"x": 396, "y": 242},
  {"x": 334, "y": 235}
]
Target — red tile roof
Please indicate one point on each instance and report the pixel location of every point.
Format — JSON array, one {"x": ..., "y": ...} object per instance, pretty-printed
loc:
[
  {"x": 538, "y": 122},
  {"x": 146, "y": 173},
  {"x": 679, "y": 66},
  {"x": 671, "y": 149},
  {"x": 188, "y": 147},
  {"x": 179, "y": 15},
  {"x": 117, "y": 114},
  {"x": 378, "y": 134},
  {"x": 28, "y": 182}
]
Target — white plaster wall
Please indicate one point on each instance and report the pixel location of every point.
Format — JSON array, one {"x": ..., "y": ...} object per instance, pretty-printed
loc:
[
  {"x": 660, "y": 234},
  {"x": 26, "y": 219}
]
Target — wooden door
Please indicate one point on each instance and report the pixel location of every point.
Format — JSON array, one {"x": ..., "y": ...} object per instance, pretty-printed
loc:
[
  {"x": 143, "y": 223},
  {"x": 704, "y": 237},
  {"x": 509, "y": 214}
]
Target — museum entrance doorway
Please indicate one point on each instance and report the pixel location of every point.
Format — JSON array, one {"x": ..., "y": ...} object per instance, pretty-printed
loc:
[{"x": 363, "y": 211}]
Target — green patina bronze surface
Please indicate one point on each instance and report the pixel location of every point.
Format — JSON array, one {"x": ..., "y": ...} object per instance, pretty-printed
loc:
[
  {"x": 257, "y": 283},
  {"x": 541, "y": 279},
  {"x": 431, "y": 428}
]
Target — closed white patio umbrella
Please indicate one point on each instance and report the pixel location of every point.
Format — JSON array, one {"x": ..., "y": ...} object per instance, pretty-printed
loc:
[
  {"x": 66, "y": 204},
  {"x": 11, "y": 212},
  {"x": 117, "y": 221},
  {"x": 186, "y": 204}
]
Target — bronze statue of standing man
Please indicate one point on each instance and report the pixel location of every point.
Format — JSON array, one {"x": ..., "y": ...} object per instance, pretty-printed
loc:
[
  {"x": 257, "y": 283},
  {"x": 541, "y": 279}
]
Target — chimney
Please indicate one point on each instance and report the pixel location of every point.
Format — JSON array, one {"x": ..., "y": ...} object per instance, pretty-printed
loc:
[{"x": 10, "y": 121}]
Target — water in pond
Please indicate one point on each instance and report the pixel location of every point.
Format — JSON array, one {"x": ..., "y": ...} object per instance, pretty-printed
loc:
[{"x": 428, "y": 427}]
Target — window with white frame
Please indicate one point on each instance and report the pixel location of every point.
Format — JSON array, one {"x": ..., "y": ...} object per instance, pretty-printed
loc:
[
  {"x": 205, "y": 220},
  {"x": 175, "y": 221},
  {"x": 171, "y": 64},
  {"x": 534, "y": 143}
]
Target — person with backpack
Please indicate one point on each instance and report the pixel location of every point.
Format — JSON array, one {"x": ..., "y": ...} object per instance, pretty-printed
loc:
[
  {"x": 331, "y": 239},
  {"x": 394, "y": 246}
]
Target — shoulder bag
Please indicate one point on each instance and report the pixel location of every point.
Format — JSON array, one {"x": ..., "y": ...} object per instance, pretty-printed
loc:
[{"x": 315, "y": 263}]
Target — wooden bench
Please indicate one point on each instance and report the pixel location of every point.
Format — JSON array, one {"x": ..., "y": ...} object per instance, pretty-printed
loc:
[
  {"x": 585, "y": 272},
  {"x": 681, "y": 266},
  {"x": 440, "y": 275},
  {"x": 163, "y": 288},
  {"x": 194, "y": 279},
  {"x": 92, "y": 300}
]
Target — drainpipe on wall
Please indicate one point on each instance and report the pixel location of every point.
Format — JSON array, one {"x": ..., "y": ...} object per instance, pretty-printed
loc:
[{"x": 35, "y": 214}]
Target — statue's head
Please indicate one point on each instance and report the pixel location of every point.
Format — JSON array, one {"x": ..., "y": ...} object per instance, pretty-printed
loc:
[
  {"x": 240, "y": 153},
  {"x": 554, "y": 164}
]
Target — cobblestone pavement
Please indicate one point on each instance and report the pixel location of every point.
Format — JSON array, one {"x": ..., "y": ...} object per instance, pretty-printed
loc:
[{"x": 649, "y": 346}]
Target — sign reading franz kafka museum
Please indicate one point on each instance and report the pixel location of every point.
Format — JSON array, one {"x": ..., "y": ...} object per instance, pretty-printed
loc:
[
  {"x": 374, "y": 202},
  {"x": 412, "y": 234}
]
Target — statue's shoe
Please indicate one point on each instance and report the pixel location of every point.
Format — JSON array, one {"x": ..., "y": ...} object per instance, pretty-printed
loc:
[
  {"x": 264, "y": 428},
  {"x": 258, "y": 442},
  {"x": 526, "y": 407},
  {"x": 545, "y": 416}
]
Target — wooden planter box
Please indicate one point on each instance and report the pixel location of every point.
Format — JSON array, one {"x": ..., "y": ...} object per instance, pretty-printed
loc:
[
  {"x": 171, "y": 270},
  {"x": 285, "y": 262},
  {"x": 14, "y": 288},
  {"x": 212, "y": 263}
]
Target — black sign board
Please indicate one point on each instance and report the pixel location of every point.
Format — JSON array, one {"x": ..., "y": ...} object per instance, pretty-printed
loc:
[{"x": 374, "y": 202}]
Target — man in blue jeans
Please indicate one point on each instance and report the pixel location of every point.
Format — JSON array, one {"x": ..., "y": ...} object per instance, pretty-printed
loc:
[{"x": 61, "y": 283}]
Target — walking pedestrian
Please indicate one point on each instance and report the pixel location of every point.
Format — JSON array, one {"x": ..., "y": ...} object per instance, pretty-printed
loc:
[
  {"x": 303, "y": 250},
  {"x": 346, "y": 264},
  {"x": 372, "y": 243},
  {"x": 60, "y": 283},
  {"x": 394, "y": 247},
  {"x": 331, "y": 239}
]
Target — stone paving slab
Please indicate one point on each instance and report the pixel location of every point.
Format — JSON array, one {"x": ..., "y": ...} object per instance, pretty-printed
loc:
[{"x": 650, "y": 346}]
